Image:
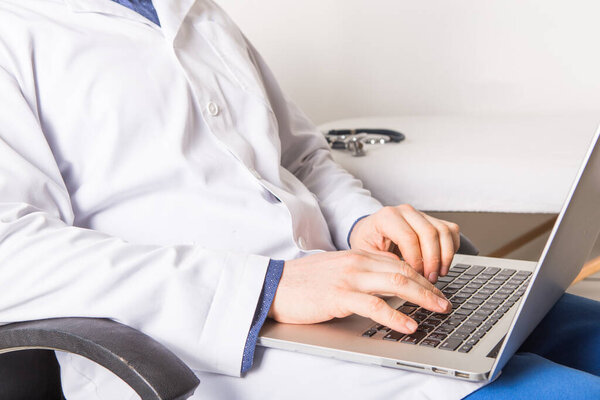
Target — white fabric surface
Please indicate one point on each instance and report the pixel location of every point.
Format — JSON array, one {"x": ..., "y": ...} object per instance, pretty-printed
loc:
[
  {"x": 452, "y": 163},
  {"x": 280, "y": 374},
  {"x": 140, "y": 172}
]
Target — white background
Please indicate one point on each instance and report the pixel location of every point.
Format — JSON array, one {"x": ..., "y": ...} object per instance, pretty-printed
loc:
[{"x": 349, "y": 58}]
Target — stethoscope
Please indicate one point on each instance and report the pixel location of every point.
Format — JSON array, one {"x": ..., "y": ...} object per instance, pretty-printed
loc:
[{"x": 354, "y": 140}]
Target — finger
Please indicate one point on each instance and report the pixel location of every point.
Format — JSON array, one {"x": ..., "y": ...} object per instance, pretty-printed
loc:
[
  {"x": 377, "y": 263},
  {"x": 446, "y": 243},
  {"x": 402, "y": 286},
  {"x": 394, "y": 226},
  {"x": 455, "y": 231},
  {"x": 429, "y": 240},
  {"x": 379, "y": 311},
  {"x": 386, "y": 254}
]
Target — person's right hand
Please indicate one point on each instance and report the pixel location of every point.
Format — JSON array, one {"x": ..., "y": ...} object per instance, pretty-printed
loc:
[{"x": 328, "y": 285}]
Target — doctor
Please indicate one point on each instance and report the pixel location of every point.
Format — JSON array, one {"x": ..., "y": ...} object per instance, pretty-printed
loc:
[{"x": 152, "y": 172}]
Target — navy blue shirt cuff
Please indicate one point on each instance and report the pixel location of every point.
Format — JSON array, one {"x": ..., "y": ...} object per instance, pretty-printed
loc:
[
  {"x": 352, "y": 227},
  {"x": 272, "y": 277}
]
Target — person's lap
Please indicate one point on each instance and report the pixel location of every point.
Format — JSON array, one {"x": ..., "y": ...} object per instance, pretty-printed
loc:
[
  {"x": 547, "y": 367},
  {"x": 559, "y": 360}
]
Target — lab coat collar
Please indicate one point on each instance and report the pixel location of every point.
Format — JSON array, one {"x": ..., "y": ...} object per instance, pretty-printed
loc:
[{"x": 171, "y": 13}]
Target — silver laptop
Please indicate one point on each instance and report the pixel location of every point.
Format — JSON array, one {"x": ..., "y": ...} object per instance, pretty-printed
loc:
[{"x": 497, "y": 303}]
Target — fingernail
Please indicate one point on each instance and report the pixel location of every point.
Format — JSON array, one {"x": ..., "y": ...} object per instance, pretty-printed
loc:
[
  {"x": 443, "y": 303},
  {"x": 433, "y": 276},
  {"x": 411, "y": 325}
]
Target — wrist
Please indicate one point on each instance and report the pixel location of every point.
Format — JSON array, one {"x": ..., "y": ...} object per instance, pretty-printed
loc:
[{"x": 355, "y": 228}]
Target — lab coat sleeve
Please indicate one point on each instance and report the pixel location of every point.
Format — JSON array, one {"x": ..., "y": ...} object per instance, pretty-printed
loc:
[
  {"x": 198, "y": 302},
  {"x": 305, "y": 153}
]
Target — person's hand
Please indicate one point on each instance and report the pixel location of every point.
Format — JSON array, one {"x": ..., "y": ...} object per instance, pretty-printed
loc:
[
  {"x": 328, "y": 285},
  {"x": 428, "y": 244}
]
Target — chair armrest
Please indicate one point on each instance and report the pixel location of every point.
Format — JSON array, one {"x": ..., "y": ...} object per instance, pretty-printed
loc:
[
  {"x": 154, "y": 372},
  {"x": 467, "y": 247}
]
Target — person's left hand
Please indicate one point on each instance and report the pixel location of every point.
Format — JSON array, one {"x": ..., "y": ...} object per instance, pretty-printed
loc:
[{"x": 428, "y": 244}]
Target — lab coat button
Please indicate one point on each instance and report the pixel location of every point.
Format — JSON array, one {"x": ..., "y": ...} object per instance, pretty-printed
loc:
[
  {"x": 212, "y": 109},
  {"x": 302, "y": 243}
]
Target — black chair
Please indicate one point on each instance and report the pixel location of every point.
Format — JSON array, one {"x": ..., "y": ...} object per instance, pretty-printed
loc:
[{"x": 29, "y": 369}]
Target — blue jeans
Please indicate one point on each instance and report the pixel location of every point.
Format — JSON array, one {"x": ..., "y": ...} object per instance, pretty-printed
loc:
[{"x": 560, "y": 360}]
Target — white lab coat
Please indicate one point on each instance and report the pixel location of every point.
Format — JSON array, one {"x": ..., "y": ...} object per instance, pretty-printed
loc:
[{"x": 148, "y": 174}]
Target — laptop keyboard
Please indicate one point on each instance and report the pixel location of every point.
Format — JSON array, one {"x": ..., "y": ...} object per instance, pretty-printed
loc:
[{"x": 480, "y": 297}]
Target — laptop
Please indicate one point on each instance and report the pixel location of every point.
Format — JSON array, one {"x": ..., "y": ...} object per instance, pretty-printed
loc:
[{"x": 496, "y": 303}]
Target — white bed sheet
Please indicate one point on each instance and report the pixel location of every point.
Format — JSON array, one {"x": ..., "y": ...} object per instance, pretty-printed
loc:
[{"x": 493, "y": 164}]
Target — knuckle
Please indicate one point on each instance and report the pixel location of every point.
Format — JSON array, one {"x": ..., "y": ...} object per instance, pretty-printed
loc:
[
  {"x": 376, "y": 304},
  {"x": 395, "y": 317},
  {"x": 453, "y": 227},
  {"x": 445, "y": 230},
  {"x": 406, "y": 207},
  {"x": 399, "y": 280},
  {"x": 425, "y": 293},
  {"x": 355, "y": 257},
  {"x": 408, "y": 271}
]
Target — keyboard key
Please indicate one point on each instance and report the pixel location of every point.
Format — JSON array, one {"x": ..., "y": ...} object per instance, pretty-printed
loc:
[
  {"x": 393, "y": 336},
  {"x": 488, "y": 309},
  {"x": 480, "y": 314},
  {"x": 369, "y": 333},
  {"x": 429, "y": 343},
  {"x": 426, "y": 328},
  {"x": 418, "y": 317},
  {"x": 476, "y": 269},
  {"x": 444, "y": 329},
  {"x": 458, "y": 317},
  {"x": 414, "y": 338},
  {"x": 478, "y": 335},
  {"x": 437, "y": 336},
  {"x": 476, "y": 300},
  {"x": 487, "y": 326},
  {"x": 382, "y": 328},
  {"x": 492, "y": 286},
  {"x": 460, "y": 335},
  {"x": 492, "y": 270},
  {"x": 440, "y": 285},
  {"x": 406, "y": 309},
  {"x": 476, "y": 321},
  {"x": 465, "y": 348},
  {"x": 461, "y": 281},
  {"x": 506, "y": 272},
  {"x": 458, "y": 299},
  {"x": 452, "y": 322},
  {"x": 469, "y": 306},
  {"x": 463, "y": 311},
  {"x": 450, "y": 344},
  {"x": 459, "y": 267},
  {"x": 467, "y": 328}
]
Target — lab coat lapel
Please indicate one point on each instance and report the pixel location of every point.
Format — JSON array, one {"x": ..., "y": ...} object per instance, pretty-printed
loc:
[
  {"x": 108, "y": 7},
  {"x": 171, "y": 14}
]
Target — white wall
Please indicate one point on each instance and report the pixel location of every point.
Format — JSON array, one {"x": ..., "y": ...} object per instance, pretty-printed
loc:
[{"x": 347, "y": 58}]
